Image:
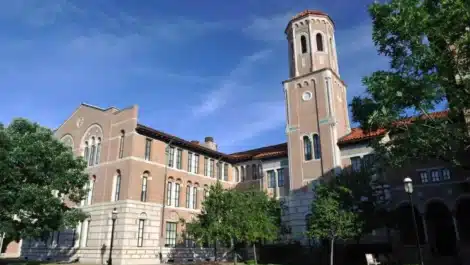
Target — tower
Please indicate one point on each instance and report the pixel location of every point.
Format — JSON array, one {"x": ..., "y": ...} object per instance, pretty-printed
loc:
[{"x": 315, "y": 96}]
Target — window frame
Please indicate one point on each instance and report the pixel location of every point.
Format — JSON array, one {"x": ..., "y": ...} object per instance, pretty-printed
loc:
[
  {"x": 171, "y": 230},
  {"x": 144, "y": 186},
  {"x": 307, "y": 142},
  {"x": 148, "y": 149},
  {"x": 140, "y": 233},
  {"x": 280, "y": 177},
  {"x": 271, "y": 179}
]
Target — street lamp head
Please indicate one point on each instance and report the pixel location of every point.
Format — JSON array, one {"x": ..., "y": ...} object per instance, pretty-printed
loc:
[
  {"x": 408, "y": 185},
  {"x": 114, "y": 214}
]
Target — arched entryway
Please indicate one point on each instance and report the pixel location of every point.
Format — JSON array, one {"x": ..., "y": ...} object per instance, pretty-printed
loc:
[
  {"x": 462, "y": 216},
  {"x": 404, "y": 222},
  {"x": 440, "y": 228}
]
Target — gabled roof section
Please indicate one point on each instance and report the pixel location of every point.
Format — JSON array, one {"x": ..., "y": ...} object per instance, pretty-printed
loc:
[
  {"x": 267, "y": 152},
  {"x": 358, "y": 135}
]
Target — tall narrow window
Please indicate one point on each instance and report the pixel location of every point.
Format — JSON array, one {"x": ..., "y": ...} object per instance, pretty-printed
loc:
[
  {"x": 140, "y": 237},
  {"x": 247, "y": 171},
  {"x": 319, "y": 40},
  {"x": 90, "y": 187},
  {"x": 225, "y": 172},
  {"x": 271, "y": 179},
  {"x": 445, "y": 174},
  {"x": 316, "y": 146},
  {"x": 211, "y": 168},
  {"x": 121, "y": 144},
  {"x": 190, "y": 162},
  {"x": 219, "y": 170},
  {"x": 92, "y": 153},
  {"x": 196, "y": 164},
  {"x": 254, "y": 171},
  {"x": 280, "y": 177},
  {"x": 188, "y": 196},
  {"x": 148, "y": 148},
  {"x": 307, "y": 148},
  {"x": 118, "y": 186},
  {"x": 143, "y": 193},
  {"x": 179, "y": 156},
  {"x": 303, "y": 44},
  {"x": 98, "y": 152},
  {"x": 171, "y": 156},
  {"x": 176, "y": 195},
  {"x": 236, "y": 174},
  {"x": 206, "y": 166},
  {"x": 194, "y": 197},
  {"x": 86, "y": 153},
  {"x": 170, "y": 237},
  {"x": 243, "y": 172},
  {"x": 169, "y": 192}
]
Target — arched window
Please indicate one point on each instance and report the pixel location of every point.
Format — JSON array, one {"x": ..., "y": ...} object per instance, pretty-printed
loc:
[
  {"x": 169, "y": 191},
  {"x": 319, "y": 40},
  {"x": 176, "y": 195},
  {"x": 195, "y": 197},
  {"x": 254, "y": 171},
  {"x": 236, "y": 174},
  {"x": 307, "y": 148},
  {"x": 92, "y": 153},
  {"x": 98, "y": 151},
  {"x": 316, "y": 146},
  {"x": 117, "y": 190},
  {"x": 188, "y": 195},
  {"x": 143, "y": 193},
  {"x": 86, "y": 153},
  {"x": 303, "y": 44},
  {"x": 121, "y": 144}
]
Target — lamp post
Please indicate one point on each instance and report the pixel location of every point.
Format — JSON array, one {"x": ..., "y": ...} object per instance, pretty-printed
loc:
[
  {"x": 408, "y": 183},
  {"x": 113, "y": 218}
]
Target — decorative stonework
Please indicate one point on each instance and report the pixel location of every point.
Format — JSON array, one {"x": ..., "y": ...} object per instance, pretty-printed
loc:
[{"x": 80, "y": 122}]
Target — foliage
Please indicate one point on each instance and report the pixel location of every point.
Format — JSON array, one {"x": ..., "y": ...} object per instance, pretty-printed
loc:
[
  {"x": 428, "y": 43},
  {"x": 34, "y": 164}
]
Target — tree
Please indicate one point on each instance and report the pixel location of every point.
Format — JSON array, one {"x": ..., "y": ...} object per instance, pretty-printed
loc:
[
  {"x": 214, "y": 223},
  {"x": 428, "y": 43},
  {"x": 258, "y": 218},
  {"x": 36, "y": 172},
  {"x": 331, "y": 219}
]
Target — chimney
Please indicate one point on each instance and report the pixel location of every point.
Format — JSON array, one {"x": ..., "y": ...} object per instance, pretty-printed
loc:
[
  {"x": 195, "y": 142},
  {"x": 209, "y": 143}
]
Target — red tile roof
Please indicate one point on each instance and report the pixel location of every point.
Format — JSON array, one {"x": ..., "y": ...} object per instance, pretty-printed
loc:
[
  {"x": 357, "y": 134},
  {"x": 267, "y": 152},
  {"x": 307, "y": 13}
]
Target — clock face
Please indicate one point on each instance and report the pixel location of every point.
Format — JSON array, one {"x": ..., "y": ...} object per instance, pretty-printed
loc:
[{"x": 80, "y": 122}]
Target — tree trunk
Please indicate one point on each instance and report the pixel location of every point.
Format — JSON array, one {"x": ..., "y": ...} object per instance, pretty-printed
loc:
[
  {"x": 254, "y": 253},
  {"x": 332, "y": 246}
]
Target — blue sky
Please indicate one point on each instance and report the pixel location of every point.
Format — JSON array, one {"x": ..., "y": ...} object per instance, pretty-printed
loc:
[{"x": 195, "y": 68}]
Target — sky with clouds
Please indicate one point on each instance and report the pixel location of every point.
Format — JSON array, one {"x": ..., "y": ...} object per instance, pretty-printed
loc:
[{"x": 195, "y": 68}]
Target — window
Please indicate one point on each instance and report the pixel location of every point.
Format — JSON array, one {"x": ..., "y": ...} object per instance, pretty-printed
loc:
[
  {"x": 435, "y": 177},
  {"x": 280, "y": 177},
  {"x": 196, "y": 164},
  {"x": 260, "y": 171},
  {"x": 98, "y": 152},
  {"x": 225, "y": 171},
  {"x": 148, "y": 148},
  {"x": 118, "y": 187},
  {"x": 121, "y": 144},
  {"x": 219, "y": 170},
  {"x": 140, "y": 236},
  {"x": 190, "y": 162},
  {"x": 86, "y": 152},
  {"x": 169, "y": 190},
  {"x": 171, "y": 156},
  {"x": 303, "y": 44},
  {"x": 319, "y": 39},
  {"x": 316, "y": 146},
  {"x": 188, "y": 196},
  {"x": 91, "y": 160},
  {"x": 143, "y": 194},
  {"x": 211, "y": 168},
  {"x": 206, "y": 192},
  {"x": 176, "y": 195},
  {"x": 254, "y": 171},
  {"x": 243, "y": 172},
  {"x": 423, "y": 175},
  {"x": 236, "y": 174},
  {"x": 170, "y": 237},
  {"x": 307, "y": 148},
  {"x": 271, "y": 179},
  {"x": 194, "y": 197},
  {"x": 179, "y": 156},
  {"x": 188, "y": 241},
  {"x": 368, "y": 161},
  {"x": 90, "y": 186},
  {"x": 445, "y": 174},
  {"x": 206, "y": 166},
  {"x": 356, "y": 163}
]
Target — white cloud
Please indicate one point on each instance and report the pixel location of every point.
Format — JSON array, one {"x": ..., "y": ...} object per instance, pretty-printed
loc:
[{"x": 220, "y": 95}]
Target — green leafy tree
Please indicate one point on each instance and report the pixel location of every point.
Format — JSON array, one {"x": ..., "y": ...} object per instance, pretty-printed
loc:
[
  {"x": 331, "y": 219},
  {"x": 214, "y": 223},
  {"x": 428, "y": 43},
  {"x": 36, "y": 172}
]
